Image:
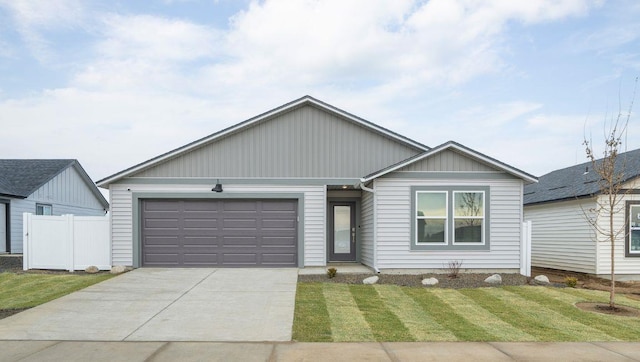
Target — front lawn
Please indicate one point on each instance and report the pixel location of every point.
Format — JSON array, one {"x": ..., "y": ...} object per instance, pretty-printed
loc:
[
  {"x": 328, "y": 312},
  {"x": 18, "y": 291}
]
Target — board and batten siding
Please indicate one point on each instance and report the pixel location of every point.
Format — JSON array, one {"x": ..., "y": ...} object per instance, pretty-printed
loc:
[
  {"x": 623, "y": 265},
  {"x": 394, "y": 217},
  {"x": 67, "y": 193},
  {"x": 561, "y": 237},
  {"x": 447, "y": 161},
  {"x": 305, "y": 142},
  {"x": 367, "y": 229},
  {"x": 122, "y": 215}
]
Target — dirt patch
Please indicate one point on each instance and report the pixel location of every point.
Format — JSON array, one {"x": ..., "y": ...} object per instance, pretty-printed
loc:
[
  {"x": 4, "y": 313},
  {"x": 464, "y": 280},
  {"x": 619, "y": 310}
]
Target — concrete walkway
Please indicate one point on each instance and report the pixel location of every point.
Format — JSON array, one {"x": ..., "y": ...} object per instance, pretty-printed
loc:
[
  {"x": 150, "y": 304},
  {"x": 208, "y": 351}
]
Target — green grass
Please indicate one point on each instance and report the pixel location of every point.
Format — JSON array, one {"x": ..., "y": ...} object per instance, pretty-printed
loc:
[
  {"x": 30, "y": 290},
  {"x": 386, "y": 313}
]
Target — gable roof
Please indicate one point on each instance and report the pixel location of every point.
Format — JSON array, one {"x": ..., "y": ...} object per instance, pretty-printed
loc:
[
  {"x": 304, "y": 101},
  {"x": 456, "y": 147},
  {"x": 21, "y": 177},
  {"x": 579, "y": 180}
]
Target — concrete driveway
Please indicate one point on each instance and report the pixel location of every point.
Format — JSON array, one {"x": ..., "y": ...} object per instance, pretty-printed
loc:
[{"x": 167, "y": 305}]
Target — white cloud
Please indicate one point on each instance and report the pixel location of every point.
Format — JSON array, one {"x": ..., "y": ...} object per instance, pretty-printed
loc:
[{"x": 33, "y": 18}]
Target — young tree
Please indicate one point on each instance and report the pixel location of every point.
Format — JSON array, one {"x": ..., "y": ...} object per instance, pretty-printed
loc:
[{"x": 611, "y": 172}]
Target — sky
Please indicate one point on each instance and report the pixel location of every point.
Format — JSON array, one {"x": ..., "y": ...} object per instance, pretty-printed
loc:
[{"x": 115, "y": 83}]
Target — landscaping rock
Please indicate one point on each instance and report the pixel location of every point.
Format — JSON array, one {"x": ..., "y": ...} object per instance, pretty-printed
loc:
[
  {"x": 494, "y": 279},
  {"x": 371, "y": 280},
  {"x": 429, "y": 282},
  {"x": 541, "y": 280},
  {"x": 91, "y": 269},
  {"x": 118, "y": 269}
]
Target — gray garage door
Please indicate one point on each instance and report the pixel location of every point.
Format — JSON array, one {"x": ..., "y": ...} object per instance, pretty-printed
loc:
[{"x": 225, "y": 233}]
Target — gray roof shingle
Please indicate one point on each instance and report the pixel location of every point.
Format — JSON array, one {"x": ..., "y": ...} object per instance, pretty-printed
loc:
[
  {"x": 578, "y": 181},
  {"x": 21, "y": 178}
]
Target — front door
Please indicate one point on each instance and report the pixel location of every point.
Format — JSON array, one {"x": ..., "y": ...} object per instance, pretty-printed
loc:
[{"x": 342, "y": 231}]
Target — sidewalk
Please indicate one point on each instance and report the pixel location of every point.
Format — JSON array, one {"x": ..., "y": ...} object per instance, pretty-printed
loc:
[{"x": 292, "y": 351}]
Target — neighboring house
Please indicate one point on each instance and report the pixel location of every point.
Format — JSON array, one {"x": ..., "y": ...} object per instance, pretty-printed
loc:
[
  {"x": 562, "y": 238},
  {"x": 307, "y": 184},
  {"x": 43, "y": 187}
]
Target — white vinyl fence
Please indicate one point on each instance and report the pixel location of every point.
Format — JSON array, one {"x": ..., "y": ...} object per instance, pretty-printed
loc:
[
  {"x": 66, "y": 242},
  {"x": 525, "y": 249}
]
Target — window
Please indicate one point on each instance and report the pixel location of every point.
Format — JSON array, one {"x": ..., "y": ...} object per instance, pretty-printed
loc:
[
  {"x": 450, "y": 218},
  {"x": 44, "y": 209},
  {"x": 632, "y": 239},
  {"x": 431, "y": 217},
  {"x": 468, "y": 216}
]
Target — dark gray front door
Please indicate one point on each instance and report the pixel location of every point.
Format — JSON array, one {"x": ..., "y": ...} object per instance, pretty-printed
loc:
[
  {"x": 342, "y": 231},
  {"x": 219, "y": 233}
]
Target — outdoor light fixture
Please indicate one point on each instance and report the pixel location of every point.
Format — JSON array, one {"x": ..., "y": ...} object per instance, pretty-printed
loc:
[{"x": 217, "y": 187}]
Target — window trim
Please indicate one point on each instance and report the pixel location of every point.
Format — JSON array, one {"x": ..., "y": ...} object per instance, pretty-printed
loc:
[
  {"x": 627, "y": 235},
  {"x": 449, "y": 244},
  {"x": 446, "y": 217},
  {"x": 39, "y": 205}
]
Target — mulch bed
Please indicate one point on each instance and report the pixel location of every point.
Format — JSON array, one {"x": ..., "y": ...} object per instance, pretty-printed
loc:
[
  {"x": 619, "y": 310},
  {"x": 464, "y": 280}
]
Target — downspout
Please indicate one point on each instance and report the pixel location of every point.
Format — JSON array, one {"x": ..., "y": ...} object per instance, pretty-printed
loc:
[{"x": 375, "y": 209}]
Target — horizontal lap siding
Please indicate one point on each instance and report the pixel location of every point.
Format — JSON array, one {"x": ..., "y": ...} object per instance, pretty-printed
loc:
[
  {"x": 394, "y": 217},
  {"x": 122, "y": 215},
  {"x": 561, "y": 237},
  {"x": 121, "y": 225},
  {"x": 366, "y": 256},
  {"x": 623, "y": 264}
]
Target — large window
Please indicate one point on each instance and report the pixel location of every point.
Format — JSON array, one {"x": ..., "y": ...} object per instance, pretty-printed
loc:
[
  {"x": 44, "y": 209},
  {"x": 450, "y": 218},
  {"x": 632, "y": 240}
]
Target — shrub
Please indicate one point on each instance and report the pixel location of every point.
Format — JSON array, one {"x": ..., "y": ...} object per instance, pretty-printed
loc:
[
  {"x": 453, "y": 268},
  {"x": 571, "y": 281},
  {"x": 331, "y": 272}
]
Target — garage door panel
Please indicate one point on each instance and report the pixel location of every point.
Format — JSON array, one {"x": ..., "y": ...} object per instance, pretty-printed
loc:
[
  {"x": 161, "y": 259},
  {"x": 278, "y": 259},
  {"x": 279, "y": 224},
  {"x": 236, "y": 223},
  {"x": 269, "y": 205},
  {"x": 278, "y": 241},
  {"x": 239, "y": 205},
  {"x": 198, "y": 241},
  {"x": 161, "y": 240},
  {"x": 167, "y": 205},
  {"x": 200, "y": 258},
  {"x": 240, "y": 258},
  {"x": 200, "y": 206},
  {"x": 240, "y": 240},
  {"x": 228, "y": 233}
]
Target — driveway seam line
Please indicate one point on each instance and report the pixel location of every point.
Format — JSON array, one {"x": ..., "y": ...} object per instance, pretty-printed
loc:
[
  {"x": 169, "y": 305},
  {"x": 604, "y": 346}
]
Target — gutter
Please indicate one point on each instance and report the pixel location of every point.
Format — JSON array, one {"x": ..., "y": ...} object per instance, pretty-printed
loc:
[{"x": 375, "y": 211}]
